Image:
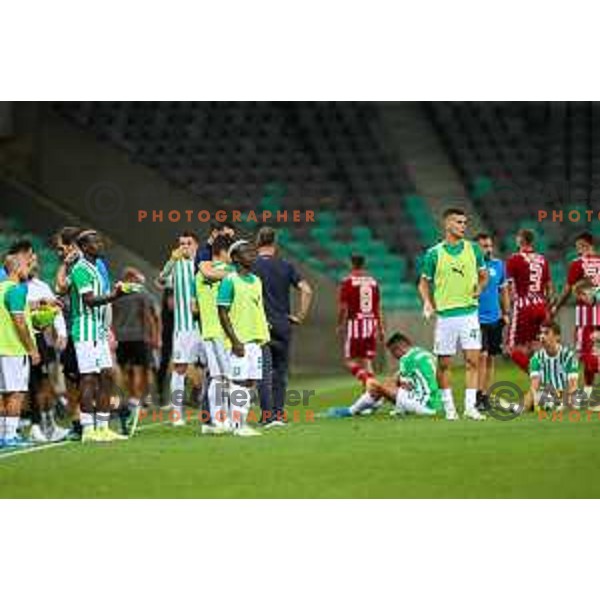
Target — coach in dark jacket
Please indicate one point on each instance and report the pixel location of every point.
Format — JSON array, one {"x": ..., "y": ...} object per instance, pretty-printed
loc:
[{"x": 278, "y": 277}]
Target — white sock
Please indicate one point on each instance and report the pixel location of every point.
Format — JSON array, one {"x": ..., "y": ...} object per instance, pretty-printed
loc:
[
  {"x": 87, "y": 420},
  {"x": 11, "y": 425},
  {"x": 102, "y": 420},
  {"x": 448, "y": 400},
  {"x": 364, "y": 402},
  {"x": 589, "y": 390},
  {"x": 217, "y": 401},
  {"x": 48, "y": 419},
  {"x": 177, "y": 391},
  {"x": 470, "y": 398},
  {"x": 2, "y": 427},
  {"x": 239, "y": 404},
  {"x": 133, "y": 403}
]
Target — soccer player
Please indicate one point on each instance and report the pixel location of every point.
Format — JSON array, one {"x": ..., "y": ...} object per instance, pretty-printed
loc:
[
  {"x": 50, "y": 337},
  {"x": 68, "y": 252},
  {"x": 187, "y": 343},
  {"x": 585, "y": 269},
  {"x": 553, "y": 369},
  {"x": 531, "y": 288},
  {"x": 217, "y": 355},
  {"x": 494, "y": 312},
  {"x": 456, "y": 271},
  {"x": 278, "y": 277},
  {"x": 360, "y": 319},
  {"x": 17, "y": 348},
  {"x": 217, "y": 228},
  {"x": 414, "y": 389},
  {"x": 90, "y": 337},
  {"x": 242, "y": 316},
  {"x": 136, "y": 330}
]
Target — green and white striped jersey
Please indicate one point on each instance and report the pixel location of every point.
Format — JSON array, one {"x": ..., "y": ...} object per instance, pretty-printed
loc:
[
  {"x": 554, "y": 370},
  {"x": 184, "y": 293},
  {"x": 87, "y": 324}
]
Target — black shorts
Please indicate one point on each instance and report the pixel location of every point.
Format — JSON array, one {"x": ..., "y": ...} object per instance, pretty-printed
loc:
[
  {"x": 133, "y": 354},
  {"x": 68, "y": 360},
  {"x": 39, "y": 372},
  {"x": 491, "y": 337}
]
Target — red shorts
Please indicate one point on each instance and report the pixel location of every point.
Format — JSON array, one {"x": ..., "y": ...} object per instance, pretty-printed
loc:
[
  {"x": 584, "y": 342},
  {"x": 526, "y": 323},
  {"x": 360, "y": 347}
]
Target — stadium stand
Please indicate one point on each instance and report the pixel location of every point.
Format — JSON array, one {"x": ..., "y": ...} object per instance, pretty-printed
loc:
[
  {"x": 269, "y": 155},
  {"x": 518, "y": 157},
  {"x": 11, "y": 230}
]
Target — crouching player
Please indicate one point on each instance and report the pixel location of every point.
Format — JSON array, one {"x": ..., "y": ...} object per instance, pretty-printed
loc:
[
  {"x": 413, "y": 390},
  {"x": 553, "y": 370},
  {"x": 242, "y": 316}
]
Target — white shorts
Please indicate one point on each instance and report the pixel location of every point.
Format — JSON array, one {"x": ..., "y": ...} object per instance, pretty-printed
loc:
[
  {"x": 14, "y": 374},
  {"x": 188, "y": 348},
  {"x": 454, "y": 333},
  {"x": 217, "y": 359},
  {"x": 93, "y": 357},
  {"x": 248, "y": 366}
]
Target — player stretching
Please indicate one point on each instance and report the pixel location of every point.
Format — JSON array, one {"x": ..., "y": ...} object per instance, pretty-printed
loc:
[
  {"x": 414, "y": 389},
  {"x": 553, "y": 370},
  {"x": 531, "y": 287},
  {"x": 584, "y": 271},
  {"x": 187, "y": 344},
  {"x": 456, "y": 270},
  {"x": 88, "y": 330},
  {"x": 242, "y": 316},
  {"x": 217, "y": 356},
  {"x": 360, "y": 319}
]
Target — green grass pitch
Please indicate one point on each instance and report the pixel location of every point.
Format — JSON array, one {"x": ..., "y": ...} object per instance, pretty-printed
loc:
[{"x": 367, "y": 457}]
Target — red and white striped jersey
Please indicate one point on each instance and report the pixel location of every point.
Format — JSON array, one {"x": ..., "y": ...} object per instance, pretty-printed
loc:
[
  {"x": 530, "y": 274},
  {"x": 359, "y": 293},
  {"x": 585, "y": 267}
]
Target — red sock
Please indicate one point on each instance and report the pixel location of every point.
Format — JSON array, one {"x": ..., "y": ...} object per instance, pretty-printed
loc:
[
  {"x": 361, "y": 374},
  {"x": 590, "y": 368},
  {"x": 520, "y": 359}
]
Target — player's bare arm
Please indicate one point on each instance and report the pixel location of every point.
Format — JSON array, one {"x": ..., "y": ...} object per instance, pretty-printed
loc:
[
  {"x": 531, "y": 399},
  {"x": 236, "y": 346},
  {"x": 210, "y": 273},
  {"x": 306, "y": 295},
  {"x": 482, "y": 280},
  {"x": 425, "y": 292},
  {"x": 25, "y": 337},
  {"x": 92, "y": 301},
  {"x": 505, "y": 303},
  {"x": 342, "y": 319}
]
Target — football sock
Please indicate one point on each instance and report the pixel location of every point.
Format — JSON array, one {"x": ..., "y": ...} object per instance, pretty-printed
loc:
[
  {"x": 217, "y": 401},
  {"x": 470, "y": 398},
  {"x": 361, "y": 374},
  {"x": 520, "y": 359},
  {"x": 11, "y": 424},
  {"x": 102, "y": 420},
  {"x": 87, "y": 421},
  {"x": 448, "y": 400},
  {"x": 239, "y": 400},
  {"x": 177, "y": 391},
  {"x": 2, "y": 427},
  {"x": 365, "y": 402}
]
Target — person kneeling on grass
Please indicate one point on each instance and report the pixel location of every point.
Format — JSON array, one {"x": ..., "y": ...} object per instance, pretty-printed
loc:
[
  {"x": 414, "y": 389},
  {"x": 554, "y": 372}
]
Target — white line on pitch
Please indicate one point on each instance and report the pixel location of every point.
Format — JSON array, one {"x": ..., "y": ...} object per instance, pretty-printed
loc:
[{"x": 59, "y": 444}]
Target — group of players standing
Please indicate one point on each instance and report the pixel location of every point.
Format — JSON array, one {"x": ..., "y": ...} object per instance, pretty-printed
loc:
[
  {"x": 484, "y": 307},
  {"x": 219, "y": 324}
]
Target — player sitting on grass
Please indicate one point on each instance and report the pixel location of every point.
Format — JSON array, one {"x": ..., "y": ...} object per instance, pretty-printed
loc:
[
  {"x": 242, "y": 316},
  {"x": 414, "y": 389},
  {"x": 553, "y": 370}
]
